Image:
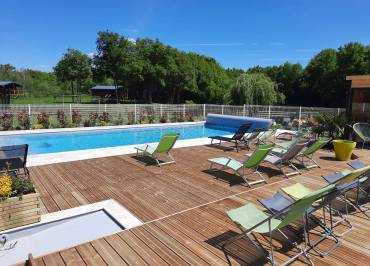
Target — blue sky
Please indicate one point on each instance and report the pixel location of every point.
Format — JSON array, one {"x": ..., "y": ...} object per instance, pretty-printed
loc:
[{"x": 241, "y": 34}]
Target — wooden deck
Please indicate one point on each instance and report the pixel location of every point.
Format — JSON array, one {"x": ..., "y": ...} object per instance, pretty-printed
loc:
[{"x": 182, "y": 207}]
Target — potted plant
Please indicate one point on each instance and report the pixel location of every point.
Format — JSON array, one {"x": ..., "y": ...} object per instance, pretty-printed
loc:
[
  {"x": 19, "y": 202},
  {"x": 334, "y": 125}
]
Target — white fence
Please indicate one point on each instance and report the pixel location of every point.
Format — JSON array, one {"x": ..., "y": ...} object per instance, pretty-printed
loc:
[{"x": 280, "y": 114}]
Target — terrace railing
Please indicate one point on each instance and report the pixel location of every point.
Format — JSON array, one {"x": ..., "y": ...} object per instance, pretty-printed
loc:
[{"x": 171, "y": 112}]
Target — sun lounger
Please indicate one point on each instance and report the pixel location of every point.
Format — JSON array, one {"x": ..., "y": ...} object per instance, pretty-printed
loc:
[
  {"x": 14, "y": 159},
  {"x": 165, "y": 145},
  {"x": 251, "y": 163},
  {"x": 237, "y": 139},
  {"x": 250, "y": 220},
  {"x": 286, "y": 158}
]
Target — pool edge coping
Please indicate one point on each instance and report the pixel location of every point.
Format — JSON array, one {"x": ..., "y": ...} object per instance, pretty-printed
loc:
[{"x": 82, "y": 129}]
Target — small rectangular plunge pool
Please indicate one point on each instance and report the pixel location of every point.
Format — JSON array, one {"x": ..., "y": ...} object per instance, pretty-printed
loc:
[{"x": 49, "y": 237}]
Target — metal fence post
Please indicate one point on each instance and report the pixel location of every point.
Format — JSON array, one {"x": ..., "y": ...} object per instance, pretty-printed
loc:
[
  {"x": 243, "y": 109},
  {"x": 222, "y": 109},
  {"x": 269, "y": 111},
  {"x": 299, "y": 117},
  {"x": 29, "y": 110},
  {"x": 363, "y": 107},
  {"x": 105, "y": 107},
  {"x": 184, "y": 110},
  {"x": 70, "y": 110},
  {"x": 161, "y": 110},
  {"x": 135, "y": 112},
  {"x": 338, "y": 111},
  {"x": 204, "y": 112}
]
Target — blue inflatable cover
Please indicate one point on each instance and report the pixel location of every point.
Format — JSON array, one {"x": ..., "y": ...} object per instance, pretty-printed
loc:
[{"x": 234, "y": 122}]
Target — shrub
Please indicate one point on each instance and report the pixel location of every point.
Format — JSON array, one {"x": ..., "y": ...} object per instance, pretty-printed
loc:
[
  {"x": 62, "y": 118},
  {"x": 180, "y": 117},
  {"x": 163, "y": 119},
  {"x": 76, "y": 118},
  {"x": 119, "y": 120},
  {"x": 173, "y": 118},
  {"x": 151, "y": 117},
  {"x": 86, "y": 123},
  {"x": 6, "y": 121},
  {"x": 22, "y": 186},
  {"x": 130, "y": 118},
  {"x": 43, "y": 119},
  {"x": 24, "y": 120},
  {"x": 5, "y": 185},
  {"x": 93, "y": 117},
  {"x": 37, "y": 126},
  {"x": 142, "y": 118},
  {"x": 104, "y": 118},
  {"x": 189, "y": 117}
]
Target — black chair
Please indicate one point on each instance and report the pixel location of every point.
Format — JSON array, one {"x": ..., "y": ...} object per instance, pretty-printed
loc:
[
  {"x": 238, "y": 137},
  {"x": 14, "y": 158}
]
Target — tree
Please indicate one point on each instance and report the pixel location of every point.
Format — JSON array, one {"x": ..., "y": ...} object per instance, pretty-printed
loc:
[
  {"x": 116, "y": 58},
  {"x": 255, "y": 88},
  {"x": 74, "y": 69},
  {"x": 321, "y": 77}
]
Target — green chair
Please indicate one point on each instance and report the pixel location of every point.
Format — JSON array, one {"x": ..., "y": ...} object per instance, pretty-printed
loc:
[
  {"x": 363, "y": 131},
  {"x": 166, "y": 143},
  {"x": 252, "y": 162},
  {"x": 307, "y": 155},
  {"x": 250, "y": 220},
  {"x": 266, "y": 136}
]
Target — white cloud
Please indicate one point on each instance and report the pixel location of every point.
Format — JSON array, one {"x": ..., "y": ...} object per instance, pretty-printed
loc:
[
  {"x": 131, "y": 40},
  {"x": 91, "y": 55}
]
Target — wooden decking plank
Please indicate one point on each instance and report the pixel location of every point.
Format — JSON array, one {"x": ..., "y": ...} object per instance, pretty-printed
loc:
[
  {"x": 53, "y": 259},
  {"x": 180, "y": 249},
  {"x": 146, "y": 253},
  {"x": 71, "y": 257},
  {"x": 90, "y": 255},
  {"x": 158, "y": 247},
  {"x": 107, "y": 253},
  {"x": 188, "y": 237},
  {"x": 124, "y": 250}
]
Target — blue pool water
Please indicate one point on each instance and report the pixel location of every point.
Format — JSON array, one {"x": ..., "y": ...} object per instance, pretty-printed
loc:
[{"x": 82, "y": 140}]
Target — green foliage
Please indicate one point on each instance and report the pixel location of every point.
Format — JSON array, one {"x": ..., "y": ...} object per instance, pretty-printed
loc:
[
  {"x": 74, "y": 70},
  {"x": 62, "y": 119},
  {"x": 151, "y": 71},
  {"x": 331, "y": 124},
  {"x": 43, "y": 119},
  {"x": 255, "y": 88},
  {"x": 22, "y": 186},
  {"x": 24, "y": 120},
  {"x": 6, "y": 121}
]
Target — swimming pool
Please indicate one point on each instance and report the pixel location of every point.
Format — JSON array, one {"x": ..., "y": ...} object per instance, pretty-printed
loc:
[{"x": 92, "y": 139}]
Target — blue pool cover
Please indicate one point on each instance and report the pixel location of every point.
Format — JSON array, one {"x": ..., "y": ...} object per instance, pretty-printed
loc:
[{"x": 234, "y": 122}]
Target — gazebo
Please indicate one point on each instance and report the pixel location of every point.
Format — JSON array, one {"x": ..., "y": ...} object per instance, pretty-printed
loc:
[
  {"x": 7, "y": 89},
  {"x": 359, "y": 97},
  {"x": 107, "y": 92}
]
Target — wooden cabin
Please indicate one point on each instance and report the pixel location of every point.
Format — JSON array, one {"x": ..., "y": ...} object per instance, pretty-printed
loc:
[
  {"x": 359, "y": 100},
  {"x": 108, "y": 93},
  {"x": 9, "y": 89}
]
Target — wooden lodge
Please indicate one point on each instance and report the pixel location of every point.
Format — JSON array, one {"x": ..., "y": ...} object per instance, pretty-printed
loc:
[{"x": 359, "y": 98}]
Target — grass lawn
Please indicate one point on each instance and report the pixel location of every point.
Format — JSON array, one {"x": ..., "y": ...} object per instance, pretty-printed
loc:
[{"x": 49, "y": 100}]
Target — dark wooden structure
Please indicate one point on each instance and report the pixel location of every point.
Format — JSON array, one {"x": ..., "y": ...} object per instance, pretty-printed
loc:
[
  {"x": 8, "y": 89},
  {"x": 108, "y": 93},
  {"x": 183, "y": 210},
  {"x": 359, "y": 97}
]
